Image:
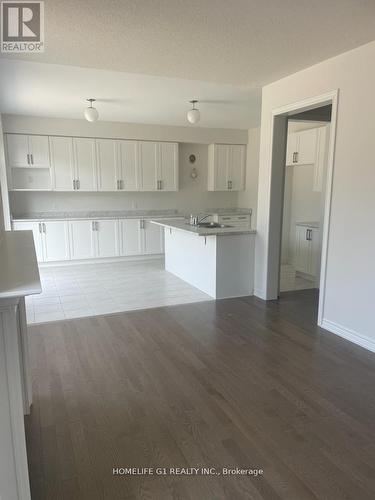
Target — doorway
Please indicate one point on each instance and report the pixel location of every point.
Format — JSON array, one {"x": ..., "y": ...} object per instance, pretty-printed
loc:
[
  {"x": 273, "y": 243},
  {"x": 304, "y": 195}
]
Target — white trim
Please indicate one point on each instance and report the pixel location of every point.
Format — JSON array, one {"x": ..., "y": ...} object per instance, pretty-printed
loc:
[
  {"x": 304, "y": 105},
  {"x": 102, "y": 260},
  {"x": 348, "y": 334}
]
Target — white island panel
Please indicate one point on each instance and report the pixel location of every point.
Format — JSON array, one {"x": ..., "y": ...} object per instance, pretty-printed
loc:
[{"x": 192, "y": 258}]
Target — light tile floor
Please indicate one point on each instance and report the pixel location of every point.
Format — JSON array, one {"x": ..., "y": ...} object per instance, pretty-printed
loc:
[{"x": 90, "y": 289}]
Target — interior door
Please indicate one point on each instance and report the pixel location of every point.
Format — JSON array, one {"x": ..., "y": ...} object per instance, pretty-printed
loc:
[
  {"x": 130, "y": 236},
  {"x": 56, "y": 241},
  {"x": 153, "y": 238},
  {"x": 307, "y": 147},
  {"x": 129, "y": 165},
  {"x": 18, "y": 150},
  {"x": 36, "y": 228},
  {"x": 81, "y": 239},
  {"x": 168, "y": 166},
  {"x": 107, "y": 238},
  {"x": 237, "y": 167},
  {"x": 221, "y": 167},
  {"x": 62, "y": 163},
  {"x": 39, "y": 151},
  {"x": 108, "y": 167},
  {"x": 148, "y": 161},
  {"x": 85, "y": 167}
]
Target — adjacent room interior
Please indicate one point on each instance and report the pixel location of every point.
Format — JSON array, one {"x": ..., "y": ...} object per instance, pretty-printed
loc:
[{"x": 186, "y": 251}]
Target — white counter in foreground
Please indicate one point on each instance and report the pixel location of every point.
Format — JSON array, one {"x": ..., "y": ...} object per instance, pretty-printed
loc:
[
  {"x": 218, "y": 261},
  {"x": 19, "y": 276}
]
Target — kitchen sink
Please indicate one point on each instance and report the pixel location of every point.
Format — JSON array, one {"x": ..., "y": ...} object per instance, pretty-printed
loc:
[{"x": 211, "y": 225}]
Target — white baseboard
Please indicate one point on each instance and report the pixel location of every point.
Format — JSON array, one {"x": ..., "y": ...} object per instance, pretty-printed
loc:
[
  {"x": 103, "y": 260},
  {"x": 350, "y": 335}
]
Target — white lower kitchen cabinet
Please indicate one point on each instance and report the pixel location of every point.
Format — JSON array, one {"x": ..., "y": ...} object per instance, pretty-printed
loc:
[
  {"x": 153, "y": 238},
  {"x": 56, "y": 241},
  {"x": 106, "y": 238},
  {"x": 307, "y": 250},
  {"x": 130, "y": 237},
  {"x": 81, "y": 239},
  {"x": 140, "y": 237},
  {"x": 36, "y": 228},
  {"x": 50, "y": 239}
]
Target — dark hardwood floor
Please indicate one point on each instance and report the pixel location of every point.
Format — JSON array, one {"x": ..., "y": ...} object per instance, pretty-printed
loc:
[{"x": 231, "y": 383}]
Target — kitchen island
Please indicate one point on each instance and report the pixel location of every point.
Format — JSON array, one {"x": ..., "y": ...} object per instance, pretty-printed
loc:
[{"x": 217, "y": 260}]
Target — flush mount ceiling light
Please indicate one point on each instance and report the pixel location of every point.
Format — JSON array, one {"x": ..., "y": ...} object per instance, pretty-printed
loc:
[
  {"x": 193, "y": 115},
  {"x": 91, "y": 113}
]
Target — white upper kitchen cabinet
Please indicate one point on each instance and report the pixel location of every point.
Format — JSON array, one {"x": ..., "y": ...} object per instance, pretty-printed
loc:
[
  {"x": 226, "y": 167},
  {"x": 167, "y": 172},
  {"x": 148, "y": 165},
  {"x": 82, "y": 245},
  {"x": 106, "y": 238},
  {"x": 237, "y": 165},
  {"x": 130, "y": 231},
  {"x": 85, "y": 164},
  {"x": 27, "y": 151},
  {"x": 302, "y": 147},
  {"x": 55, "y": 240},
  {"x": 62, "y": 163},
  {"x": 129, "y": 177},
  {"x": 108, "y": 166},
  {"x": 153, "y": 238}
]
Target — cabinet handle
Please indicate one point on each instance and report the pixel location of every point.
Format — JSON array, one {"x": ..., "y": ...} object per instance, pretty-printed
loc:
[
  {"x": 296, "y": 161},
  {"x": 28, "y": 159},
  {"x": 93, "y": 225},
  {"x": 78, "y": 184},
  {"x": 44, "y": 227},
  {"x": 40, "y": 227},
  {"x": 31, "y": 159},
  {"x": 74, "y": 184},
  {"x": 96, "y": 226},
  {"x": 161, "y": 185}
]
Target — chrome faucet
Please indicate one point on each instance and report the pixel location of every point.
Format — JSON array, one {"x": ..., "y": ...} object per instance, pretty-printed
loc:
[{"x": 195, "y": 220}]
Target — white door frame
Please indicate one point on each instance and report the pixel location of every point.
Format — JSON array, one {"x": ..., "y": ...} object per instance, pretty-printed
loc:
[{"x": 274, "y": 215}]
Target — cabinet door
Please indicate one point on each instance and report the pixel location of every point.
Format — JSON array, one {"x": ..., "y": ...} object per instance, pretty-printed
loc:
[
  {"x": 153, "y": 238},
  {"x": 168, "y": 166},
  {"x": 307, "y": 143},
  {"x": 302, "y": 250},
  {"x": 39, "y": 151},
  {"x": 106, "y": 238},
  {"x": 291, "y": 148},
  {"x": 130, "y": 237},
  {"x": 148, "y": 163},
  {"x": 315, "y": 251},
  {"x": 221, "y": 155},
  {"x": 18, "y": 150},
  {"x": 62, "y": 163},
  {"x": 36, "y": 228},
  {"x": 85, "y": 168},
  {"x": 81, "y": 239},
  {"x": 129, "y": 177},
  {"x": 108, "y": 168},
  {"x": 56, "y": 241},
  {"x": 237, "y": 164}
]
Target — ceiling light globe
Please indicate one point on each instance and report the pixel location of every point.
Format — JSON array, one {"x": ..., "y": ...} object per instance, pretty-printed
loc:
[
  {"x": 193, "y": 116},
  {"x": 91, "y": 114}
]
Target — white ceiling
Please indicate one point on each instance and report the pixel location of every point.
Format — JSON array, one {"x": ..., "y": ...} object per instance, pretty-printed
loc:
[
  {"x": 106, "y": 49},
  {"x": 60, "y": 91},
  {"x": 250, "y": 42}
]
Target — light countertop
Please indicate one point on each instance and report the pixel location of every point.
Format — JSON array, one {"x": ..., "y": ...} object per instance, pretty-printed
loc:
[
  {"x": 122, "y": 214},
  {"x": 313, "y": 224},
  {"x": 19, "y": 273},
  {"x": 201, "y": 231}
]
